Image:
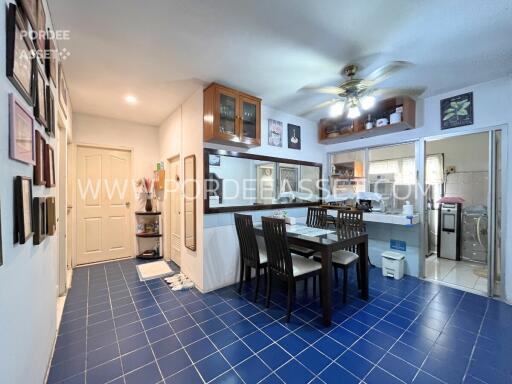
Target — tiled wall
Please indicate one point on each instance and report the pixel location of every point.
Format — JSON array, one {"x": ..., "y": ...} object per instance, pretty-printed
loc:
[{"x": 471, "y": 186}]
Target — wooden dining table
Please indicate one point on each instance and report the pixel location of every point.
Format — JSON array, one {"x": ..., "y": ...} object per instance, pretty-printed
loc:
[{"x": 326, "y": 244}]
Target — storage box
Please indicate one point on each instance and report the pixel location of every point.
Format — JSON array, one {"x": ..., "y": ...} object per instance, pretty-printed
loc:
[{"x": 393, "y": 264}]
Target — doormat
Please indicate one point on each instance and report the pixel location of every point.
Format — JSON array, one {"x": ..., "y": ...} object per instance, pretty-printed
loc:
[{"x": 154, "y": 270}]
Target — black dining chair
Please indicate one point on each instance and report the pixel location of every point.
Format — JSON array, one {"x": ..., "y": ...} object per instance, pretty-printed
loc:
[
  {"x": 317, "y": 217},
  {"x": 282, "y": 264},
  {"x": 250, "y": 254}
]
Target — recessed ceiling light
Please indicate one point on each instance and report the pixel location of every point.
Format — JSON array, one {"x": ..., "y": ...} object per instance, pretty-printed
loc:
[{"x": 130, "y": 99}]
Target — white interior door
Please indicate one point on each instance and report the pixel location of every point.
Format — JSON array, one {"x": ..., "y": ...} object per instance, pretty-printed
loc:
[
  {"x": 103, "y": 196},
  {"x": 175, "y": 211}
]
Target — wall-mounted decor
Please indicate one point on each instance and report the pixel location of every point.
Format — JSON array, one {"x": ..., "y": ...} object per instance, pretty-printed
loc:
[
  {"x": 293, "y": 136},
  {"x": 50, "y": 112},
  {"x": 190, "y": 201},
  {"x": 40, "y": 159},
  {"x": 51, "y": 219},
  {"x": 19, "y": 55},
  {"x": 63, "y": 91},
  {"x": 41, "y": 107},
  {"x": 21, "y": 132},
  {"x": 22, "y": 209},
  {"x": 39, "y": 219},
  {"x": 51, "y": 61},
  {"x": 457, "y": 111},
  {"x": 275, "y": 133},
  {"x": 49, "y": 167},
  {"x": 41, "y": 25},
  {"x": 288, "y": 179},
  {"x": 29, "y": 8},
  {"x": 214, "y": 160}
]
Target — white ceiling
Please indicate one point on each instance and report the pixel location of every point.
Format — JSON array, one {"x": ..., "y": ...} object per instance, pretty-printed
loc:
[{"x": 161, "y": 50}]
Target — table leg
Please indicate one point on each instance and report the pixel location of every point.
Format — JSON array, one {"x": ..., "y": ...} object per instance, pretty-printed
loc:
[
  {"x": 326, "y": 285},
  {"x": 362, "y": 249}
]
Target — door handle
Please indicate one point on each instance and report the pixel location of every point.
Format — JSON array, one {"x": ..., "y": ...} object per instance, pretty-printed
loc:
[{"x": 127, "y": 204}]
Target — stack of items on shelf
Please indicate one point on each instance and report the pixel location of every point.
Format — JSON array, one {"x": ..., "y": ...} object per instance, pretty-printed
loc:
[{"x": 179, "y": 282}]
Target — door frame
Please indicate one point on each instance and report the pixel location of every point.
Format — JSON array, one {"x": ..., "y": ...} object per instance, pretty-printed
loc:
[
  {"x": 75, "y": 191},
  {"x": 62, "y": 205},
  {"x": 421, "y": 152},
  {"x": 168, "y": 210}
]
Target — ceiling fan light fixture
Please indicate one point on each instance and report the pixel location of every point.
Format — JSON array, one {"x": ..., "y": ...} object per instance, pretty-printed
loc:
[
  {"x": 353, "y": 112},
  {"x": 337, "y": 109},
  {"x": 367, "y": 102}
]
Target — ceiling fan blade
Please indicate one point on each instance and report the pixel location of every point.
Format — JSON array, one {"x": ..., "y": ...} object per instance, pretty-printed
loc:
[
  {"x": 385, "y": 72},
  {"x": 320, "y": 106},
  {"x": 328, "y": 90},
  {"x": 391, "y": 92}
]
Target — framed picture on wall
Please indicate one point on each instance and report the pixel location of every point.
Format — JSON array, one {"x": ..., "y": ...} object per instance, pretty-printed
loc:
[
  {"x": 40, "y": 160},
  {"x": 50, "y": 112},
  {"x": 63, "y": 92},
  {"x": 41, "y": 25},
  {"x": 51, "y": 220},
  {"x": 21, "y": 132},
  {"x": 51, "y": 61},
  {"x": 49, "y": 167},
  {"x": 288, "y": 179},
  {"x": 29, "y": 8},
  {"x": 39, "y": 219},
  {"x": 23, "y": 209},
  {"x": 41, "y": 107},
  {"x": 457, "y": 111},
  {"x": 275, "y": 133},
  {"x": 19, "y": 55},
  {"x": 293, "y": 136}
]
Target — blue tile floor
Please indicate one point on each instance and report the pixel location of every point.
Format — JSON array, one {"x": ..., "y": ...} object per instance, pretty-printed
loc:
[{"x": 116, "y": 329}]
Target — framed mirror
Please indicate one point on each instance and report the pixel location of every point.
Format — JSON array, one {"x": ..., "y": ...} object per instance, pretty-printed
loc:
[
  {"x": 243, "y": 182},
  {"x": 189, "y": 192}
]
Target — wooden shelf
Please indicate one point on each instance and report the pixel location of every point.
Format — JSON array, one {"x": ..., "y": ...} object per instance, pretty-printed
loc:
[
  {"x": 148, "y": 213},
  {"x": 148, "y": 234},
  {"x": 332, "y": 131}
]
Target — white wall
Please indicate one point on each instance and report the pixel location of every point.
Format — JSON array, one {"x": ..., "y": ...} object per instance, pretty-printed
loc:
[{"x": 29, "y": 274}]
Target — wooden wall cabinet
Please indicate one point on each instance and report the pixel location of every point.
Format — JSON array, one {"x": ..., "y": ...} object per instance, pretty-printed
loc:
[{"x": 231, "y": 117}]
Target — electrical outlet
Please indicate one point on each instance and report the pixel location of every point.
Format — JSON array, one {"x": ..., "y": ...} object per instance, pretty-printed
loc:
[{"x": 450, "y": 169}]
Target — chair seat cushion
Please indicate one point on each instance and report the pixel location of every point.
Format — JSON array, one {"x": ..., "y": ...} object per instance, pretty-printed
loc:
[
  {"x": 303, "y": 251},
  {"x": 263, "y": 257},
  {"x": 301, "y": 265},
  {"x": 344, "y": 257}
]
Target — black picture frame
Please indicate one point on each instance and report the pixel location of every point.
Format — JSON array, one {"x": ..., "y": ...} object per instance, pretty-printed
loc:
[
  {"x": 50, "y": 112},
  {"x": 51, "y": 219},
  {"x": 51, "y": 60},
  {"x": 39, "y": 219},
  {"x": 457, "y": 111},
  {"x": 20, "y": 61},
  {"x": 39, "y": 168},
  {"x": 49, "y": 167},
  {"x": 294, "y": 141},
  {"x": 41, "y": 105},
  {"x": 23, "y": 223},
  {"x": 29, "y": 8}
]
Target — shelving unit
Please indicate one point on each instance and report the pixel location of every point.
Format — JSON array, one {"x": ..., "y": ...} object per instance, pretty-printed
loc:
[{"x": 144, "y": 221}]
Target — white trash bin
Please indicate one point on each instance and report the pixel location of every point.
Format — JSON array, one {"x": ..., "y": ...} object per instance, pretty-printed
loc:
[{"x": 393, "y": 264}]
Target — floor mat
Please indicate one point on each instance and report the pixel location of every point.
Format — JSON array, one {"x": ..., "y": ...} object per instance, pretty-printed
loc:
[{"x": 153, "y": 270}]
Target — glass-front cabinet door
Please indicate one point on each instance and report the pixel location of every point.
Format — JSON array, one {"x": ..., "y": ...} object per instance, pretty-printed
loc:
[
  {"x": 249, "y": 120},
  {"x": 227, "y": 110}
]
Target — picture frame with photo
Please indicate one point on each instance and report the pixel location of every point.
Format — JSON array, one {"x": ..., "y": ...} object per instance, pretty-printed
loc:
[
  {"x": 21, "y": 132},
  {"x": 63, "y": 91},
  {"x": 457, "y": 111},
  {"x": 41, "y": 25},
  {"x": 51, "y": 61},
  {"x": 39, "y": 219},
  {"x": 29, "y": 8},
  {"x": 51, "y": 219},
  {"x": 20, "y": 60},
  {"x": 49, "y": 167},
  {"x": 275, "y": 133},
  {"x": 39, "y": 174},
  {"x": 23, "y": 225},
  {"x": 294, "y": 141},
  {"x": 50, "y": 112},
  {"x": 41, "y": 107}
]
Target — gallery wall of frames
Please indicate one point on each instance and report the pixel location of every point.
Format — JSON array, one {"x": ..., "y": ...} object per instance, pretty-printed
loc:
[{"x": 34, "y": 68}]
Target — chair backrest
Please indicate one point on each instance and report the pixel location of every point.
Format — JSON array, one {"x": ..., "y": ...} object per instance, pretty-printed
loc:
[
  {"x": 278, "y": 253},
  {"x": 317, "y": 217},
  {"x": 350, "y": 219},
  {"x": 249, "y": 251}
]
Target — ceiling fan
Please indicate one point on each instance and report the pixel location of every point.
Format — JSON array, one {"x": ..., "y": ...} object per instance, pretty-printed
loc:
[{"x": 354, "y": 94}]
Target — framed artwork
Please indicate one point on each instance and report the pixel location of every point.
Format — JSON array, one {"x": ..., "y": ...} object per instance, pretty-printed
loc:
[
  {"x": 40, "y": 160},
  {"x": 63, "y": 91},
  {"x": 288, "y": 179},
  {"x": 51, "y": 220},
  {"x": 49, "y": 167},
  {"x": 50, "y": 112},
  {"x": 457, "y": 111},
  {"x": 29, "y": 8},
  {"x": 41, "y": 25},
  {"x": 214, "y": 160},
  {"x": 41, "y": 107},
  {"x": 19, "y": 55},
  {"x": 51, "y": 61},
  {"x": 189, "y": 189},
  {"x": 39, "y": 219},
  {"x": 21, "y": 133},
  {"x": 23, "y": 209},
  {"x": 293, "y": 136},
  {"x": 275, "y": 133}
]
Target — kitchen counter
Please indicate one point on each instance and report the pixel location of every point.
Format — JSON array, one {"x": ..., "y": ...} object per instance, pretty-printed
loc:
[{"x": 385, "y": 218}]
